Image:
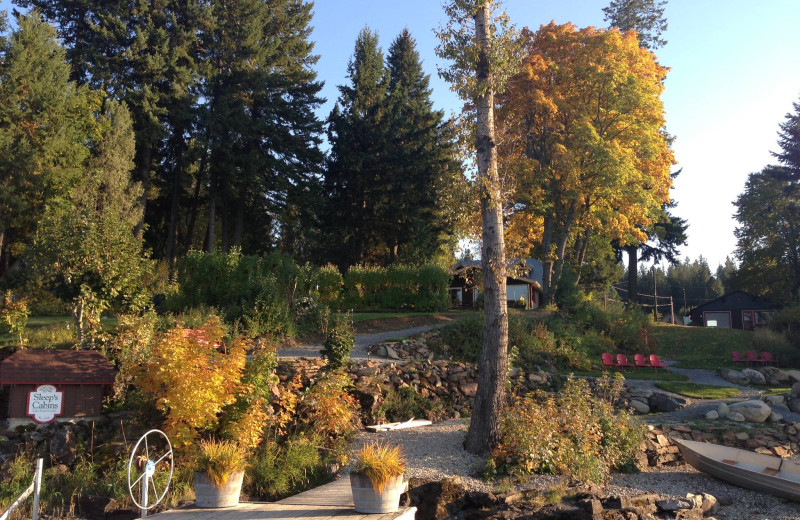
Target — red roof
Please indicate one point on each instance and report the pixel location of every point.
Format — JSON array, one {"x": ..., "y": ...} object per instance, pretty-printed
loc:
[{"x": 64, "y": 367}]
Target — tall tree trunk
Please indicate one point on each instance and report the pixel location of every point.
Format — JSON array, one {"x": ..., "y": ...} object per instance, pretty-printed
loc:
[
  {"x": 633, "y": 275},
  {"x": 484, "y": 427},
  {"x": 172, "y": 231},
  {"x": 77, "y": 316},
  {"x": 212, "y": 221},
  {"x": 562, "y": 248},
  {"x": 547, "y": 262},
  {"x": 144, "y": 177},
  {"x": 581, "y": 256}
]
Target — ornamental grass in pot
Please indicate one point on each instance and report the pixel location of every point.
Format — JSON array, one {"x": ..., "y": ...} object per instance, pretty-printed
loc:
[
  {"x": 377, "y": 478},
  {"x": 219, "y": 474}
]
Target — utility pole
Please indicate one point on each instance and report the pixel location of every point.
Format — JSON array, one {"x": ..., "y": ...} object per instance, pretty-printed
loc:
[{"x": 655, "y": 294}]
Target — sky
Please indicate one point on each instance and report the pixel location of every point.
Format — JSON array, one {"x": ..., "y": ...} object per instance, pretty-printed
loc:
[{"x": 735, "y": 72}]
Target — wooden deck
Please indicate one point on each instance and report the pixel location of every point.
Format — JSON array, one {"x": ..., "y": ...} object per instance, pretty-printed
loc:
[{"x": 333, "y": 500}]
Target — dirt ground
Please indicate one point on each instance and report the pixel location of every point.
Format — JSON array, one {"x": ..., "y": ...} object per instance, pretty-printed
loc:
[{"x": 404, "y": 322}]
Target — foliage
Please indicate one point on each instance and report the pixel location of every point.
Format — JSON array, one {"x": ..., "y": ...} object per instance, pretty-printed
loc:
[
  {"x": 646, "y": 17},
  {"x": 405, "y": 404},
  {"x": 575, "y": 433},
  {"x": 327, "y": 409},
  {"x": 380, "y": 462},
  {"x": 220, "y": 459},
  {"x": 338, "y": 338},
  {"x": 191, "y": 380},
  {"x": 700, "y": 347},
  {"x": 584, "y": 133},
  {"x": 280, "y": 470},
  {"x": 397, "y": 287},
  {"x": 14, "y": 316},
  {"x": 85, "y": 246},
  {"x": 395, "y": 191},
  {"x": 698, "y": 391}
]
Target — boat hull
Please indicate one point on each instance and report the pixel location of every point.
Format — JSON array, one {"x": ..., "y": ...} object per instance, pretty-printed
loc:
[{"x": 764, "y": 473}]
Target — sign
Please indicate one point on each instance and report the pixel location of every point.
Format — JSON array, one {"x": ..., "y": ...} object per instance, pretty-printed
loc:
[{"x": 45, "y": 403}]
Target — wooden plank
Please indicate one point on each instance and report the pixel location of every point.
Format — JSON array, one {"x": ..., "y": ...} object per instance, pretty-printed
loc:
[
  {"x": 333, "y": 501},
  {"x": 411, "y": 423}
]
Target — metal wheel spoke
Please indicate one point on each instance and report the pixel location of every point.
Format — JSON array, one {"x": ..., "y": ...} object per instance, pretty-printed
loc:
[
  {"x": 167, "y": 454},
  {"x": 138, "y": 479}
]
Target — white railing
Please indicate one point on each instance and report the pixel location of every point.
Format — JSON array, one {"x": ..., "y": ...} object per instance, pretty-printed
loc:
[{"x": 35, "y": 488}]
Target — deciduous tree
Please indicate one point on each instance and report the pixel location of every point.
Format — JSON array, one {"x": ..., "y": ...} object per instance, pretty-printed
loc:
[
  {"x": 583, "y": 146},
  {"x": 480, "y": 44}
]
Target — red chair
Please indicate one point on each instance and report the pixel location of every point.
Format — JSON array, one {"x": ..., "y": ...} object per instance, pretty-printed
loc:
[
  {"x": 639, "y": 361},
  {"x": 657, "y": 363},
  {"x": 751, "y": 356},
  {"x": 608, "y": 360},
  {"x": 622, "y": 361},
  {"x": 767, "y": 357},
  {"x": 737, "y": 357}
]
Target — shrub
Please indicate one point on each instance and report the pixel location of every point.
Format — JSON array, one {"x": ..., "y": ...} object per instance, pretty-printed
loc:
[
  {"x": 338, "y": 338},
  {"x": 396, "y": 287},
  {"x": 380, "y": 463},
  {"x": 777, "y": 343},
  {"x": 280, "y": 470},
  {"x": 405, "y": 404},
  {"x": 576, "y": 433},
  {"x": 14, "y": 316},
  {"x": 327, "y": 409},
  {"x": 220, "y": 459}
]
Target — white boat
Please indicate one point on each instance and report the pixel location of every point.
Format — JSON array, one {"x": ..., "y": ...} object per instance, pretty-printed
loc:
[{"x": 765, "y": 473}]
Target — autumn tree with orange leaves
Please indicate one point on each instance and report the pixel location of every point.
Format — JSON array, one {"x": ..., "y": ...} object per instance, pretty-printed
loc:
[{"x": 583, "y": 151}]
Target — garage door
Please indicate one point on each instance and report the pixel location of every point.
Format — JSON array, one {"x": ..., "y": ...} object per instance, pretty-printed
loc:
[{"x": 721, "y": 320}]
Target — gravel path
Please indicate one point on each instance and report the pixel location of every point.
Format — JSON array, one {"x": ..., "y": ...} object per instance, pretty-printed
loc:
[
  {"x": 362, "y": 343},
  {"x": 436, "y": 452}
]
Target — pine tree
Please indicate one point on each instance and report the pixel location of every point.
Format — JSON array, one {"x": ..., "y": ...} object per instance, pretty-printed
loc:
[
  {"x": 789, "y": 143},
  {"x": 354, "y": 173},
  {"x": 646, "y": 17},
  {"x": 43, "y": 126}
]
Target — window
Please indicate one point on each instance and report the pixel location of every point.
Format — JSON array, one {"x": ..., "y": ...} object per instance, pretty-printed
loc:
[{"x": 515, "y": 292}]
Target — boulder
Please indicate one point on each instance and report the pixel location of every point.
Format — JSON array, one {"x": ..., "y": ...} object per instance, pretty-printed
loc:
[
  {"x": 639, "y": 407},
  {"x": 794, "y": 404},
  {"x": 755, "y": 411},
  {"x": 712, "y": 415},
  {"x": 755, "y": 377},
  {"x": 733, "y": 376},
  {"x": 795, "y": 391},
  {"x": 64, "y": 445},
  {"x": 794, "y": 375},
  {"x": 723, "y": 410},
  {"x": 663, "y": 403},
  {"x": 735, "y": 417},
  {"x": 774, "y": 417},
  {"x": 776, "y": 377}
]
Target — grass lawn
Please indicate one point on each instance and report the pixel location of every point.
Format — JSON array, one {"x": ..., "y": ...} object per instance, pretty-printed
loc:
[
  {"x": 698, "y": 391},
  {"x": 700, "y": 347}
]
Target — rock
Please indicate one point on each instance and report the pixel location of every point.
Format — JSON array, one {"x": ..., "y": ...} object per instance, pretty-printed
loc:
[
  {"x": 794, "y": 404},
  {"x": 774, "y": 417},
  {"x": 96, "y": 507},
  {"x": 712, "y": 415},
  {"x": 794, "y": 375},
  {"x": 755, "y": 411},
  {"x": 775, "y": 399},
  {"x": 723, "y": 410},
  {"x": 733, "y": 376},
  {"x": 63, "y": 446},
  {"x": 755, "y": 377},
  {"x": 663, "y": 403},
  {"x": 391, "y": 353},
  {"x": 468, "y": 388},
  {"x": 775, "y": 376},
  {"x": 736, "y": 417},
  {"x": 674, "y": 505},
  {"x": 639, "y": 407}
]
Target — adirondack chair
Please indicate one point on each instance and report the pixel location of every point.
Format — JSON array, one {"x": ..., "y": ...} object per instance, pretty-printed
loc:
[
  {"x": 738, "y": 358},
  {"x": 608, "y": 360},
  {"x": 639, "y": 361},
  {"x": 751, "y": 356},
  {"x": 767, "y": 357},
  {"x": 656, "y": 363},
  {"x": 622, "y": 361}
]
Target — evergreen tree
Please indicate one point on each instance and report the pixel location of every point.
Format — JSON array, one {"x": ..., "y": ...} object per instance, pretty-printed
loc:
[
  {"x": 43, "y": 126},
  {"x": 85, "y": 247},
  {"x": 646, "y": 17},
  {"x": 789, "y": 143},
  {"x": 354, "y": 175}
]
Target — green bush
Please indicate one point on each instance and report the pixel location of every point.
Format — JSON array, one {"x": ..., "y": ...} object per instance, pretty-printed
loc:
[
  {"x": 281, "y": 470},
  {"x": 405, "y": 404},
  {"x": 338, "y": 338},
  {"x": 397, "y": 288},
  {"x": 777, "y": 343}
]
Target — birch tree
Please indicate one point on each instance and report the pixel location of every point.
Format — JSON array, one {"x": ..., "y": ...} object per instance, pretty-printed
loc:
[{"x": 480, "y": 44}]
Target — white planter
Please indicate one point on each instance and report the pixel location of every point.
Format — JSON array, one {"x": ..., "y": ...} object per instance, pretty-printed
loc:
[
  {"x": 367, "y": 500},
  {"x": 208, "y": 494}
]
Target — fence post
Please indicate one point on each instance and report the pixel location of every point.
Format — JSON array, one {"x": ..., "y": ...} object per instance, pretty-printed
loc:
[{"x": 37, "y": 488}]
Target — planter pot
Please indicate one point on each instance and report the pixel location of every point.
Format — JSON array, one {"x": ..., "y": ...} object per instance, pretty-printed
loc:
[
  {"x": 208, "y": 494},
  {"x": 367, "y": 500}
]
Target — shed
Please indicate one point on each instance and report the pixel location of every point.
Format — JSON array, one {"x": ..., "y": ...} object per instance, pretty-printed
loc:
[
  {"x": 735, "y": 310},
  {"x": 81, "y": 377},
  {"x": 524, "y": 280}
]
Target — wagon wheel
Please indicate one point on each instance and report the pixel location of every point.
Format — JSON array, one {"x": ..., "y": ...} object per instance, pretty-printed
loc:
[{"x": 150, "y": 458}]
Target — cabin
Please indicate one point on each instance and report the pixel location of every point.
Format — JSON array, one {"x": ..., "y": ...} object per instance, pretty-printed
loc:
[
  {"x": 41, "y": 385},
  {"x": 736, "y": 310},
  {"x": 524, "y": 281}
]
